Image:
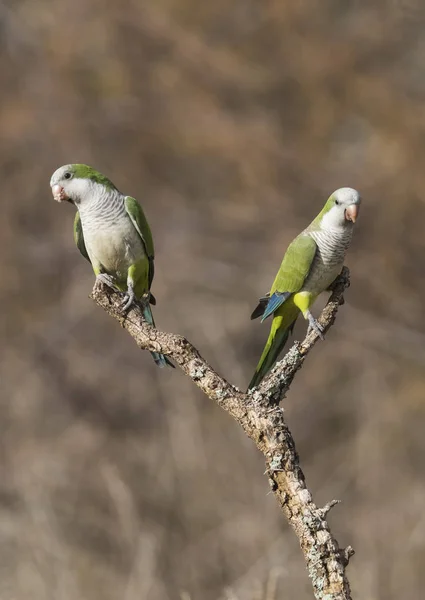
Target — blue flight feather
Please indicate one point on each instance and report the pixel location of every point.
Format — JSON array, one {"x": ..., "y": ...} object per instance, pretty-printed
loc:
[{"x": 276, "y": 300}]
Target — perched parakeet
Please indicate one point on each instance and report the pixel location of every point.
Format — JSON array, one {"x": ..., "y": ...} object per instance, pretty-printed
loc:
[
  {"x": 311, "y": 263},
  {"x": 110, "y": 231}
]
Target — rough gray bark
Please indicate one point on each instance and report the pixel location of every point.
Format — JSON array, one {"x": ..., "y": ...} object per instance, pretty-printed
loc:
[{"x": 259, "y": 415}]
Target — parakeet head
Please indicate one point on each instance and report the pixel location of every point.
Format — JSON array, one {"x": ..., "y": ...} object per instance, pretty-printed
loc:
[
  {"x": 78, "y": 183},
  {"x": 341, "y": 209}
]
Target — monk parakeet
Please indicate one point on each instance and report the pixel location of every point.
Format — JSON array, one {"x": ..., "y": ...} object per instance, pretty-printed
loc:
[
  {"x": 311, "y": 263},
  {"x": 110, "y": 231}
]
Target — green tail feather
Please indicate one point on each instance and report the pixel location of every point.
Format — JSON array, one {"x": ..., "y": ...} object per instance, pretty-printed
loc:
[
  {"x": 160, "y": 359},
  {"x": 282, "y": 326},
  {"x": 273, "y": 348}
]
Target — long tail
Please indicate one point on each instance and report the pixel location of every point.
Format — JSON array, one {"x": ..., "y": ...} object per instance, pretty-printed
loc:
[
  {"x": 160, "y": 359},
  {"x": 278, "y": 336}
]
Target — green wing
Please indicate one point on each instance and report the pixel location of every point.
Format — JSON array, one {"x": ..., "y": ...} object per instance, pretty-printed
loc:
[
  {"x": 296, "y": 265},
  {"x": 137, "y": 216},
  {"x": 79, "y": 237}
]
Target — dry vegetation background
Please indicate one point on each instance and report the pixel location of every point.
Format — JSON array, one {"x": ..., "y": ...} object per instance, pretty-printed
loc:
[{"x": 232, "y": 122}]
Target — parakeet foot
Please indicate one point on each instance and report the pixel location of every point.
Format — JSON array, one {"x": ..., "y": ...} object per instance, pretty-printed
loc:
[
  {"x": 128, "y": 298},
  {"x": 314, "y": 325},
  {"x": 106, "y": 280}
]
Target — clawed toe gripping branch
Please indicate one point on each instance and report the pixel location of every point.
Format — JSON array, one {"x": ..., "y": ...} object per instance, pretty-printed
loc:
[{"x": 260, "y": 416}]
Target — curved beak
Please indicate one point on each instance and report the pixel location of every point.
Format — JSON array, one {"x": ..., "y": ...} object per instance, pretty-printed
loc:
[
  {"x": 352, "y": 212},
  {"x": 59, "y": 193}
]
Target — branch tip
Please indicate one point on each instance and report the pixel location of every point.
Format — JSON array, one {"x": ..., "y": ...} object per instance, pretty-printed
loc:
[
  {"x": 346, "y": 554},
  {"x": 322, "y": 512}
]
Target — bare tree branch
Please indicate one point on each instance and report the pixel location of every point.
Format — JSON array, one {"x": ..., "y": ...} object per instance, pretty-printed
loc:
[{"x": 260, "y": 416}]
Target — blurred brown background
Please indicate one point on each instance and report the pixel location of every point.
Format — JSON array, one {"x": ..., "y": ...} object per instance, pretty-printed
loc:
[{"x": 231, "y": 122}]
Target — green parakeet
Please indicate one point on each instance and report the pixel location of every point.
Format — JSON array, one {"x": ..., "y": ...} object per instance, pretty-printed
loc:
[
  {"x": 311, "y": 263},
  {"x": 110, "y": 231}
]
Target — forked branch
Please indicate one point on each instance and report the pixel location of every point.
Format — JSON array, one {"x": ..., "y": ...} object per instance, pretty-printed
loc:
[{"x": 260, "y": 416}]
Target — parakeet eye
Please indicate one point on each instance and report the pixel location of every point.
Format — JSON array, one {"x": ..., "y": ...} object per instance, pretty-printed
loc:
[
  {"x": 67, "y": 175},
  {"x": 337, "y": 202}
]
